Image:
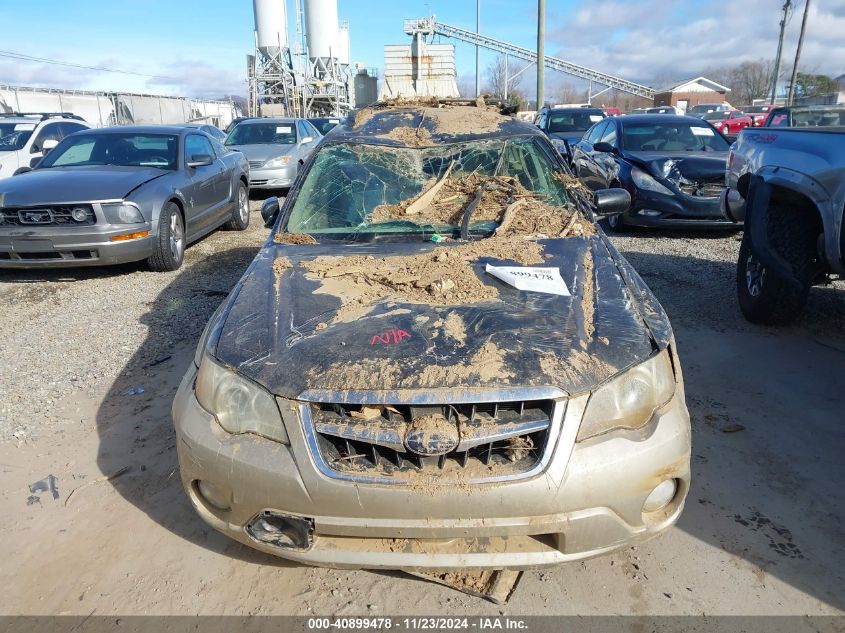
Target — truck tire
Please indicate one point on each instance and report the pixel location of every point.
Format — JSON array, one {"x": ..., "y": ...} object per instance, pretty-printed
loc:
[
  {"x": 764, "y": 297},
  {"x": 169, "y": 246},
  {"x": 240, "y": 214}
]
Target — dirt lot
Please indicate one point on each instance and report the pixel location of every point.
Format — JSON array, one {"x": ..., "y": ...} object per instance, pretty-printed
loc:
[{"x": 762, "y": 532}]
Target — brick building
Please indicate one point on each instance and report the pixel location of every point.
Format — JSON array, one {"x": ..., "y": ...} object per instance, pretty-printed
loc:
[{"x": 689, "y": 93}]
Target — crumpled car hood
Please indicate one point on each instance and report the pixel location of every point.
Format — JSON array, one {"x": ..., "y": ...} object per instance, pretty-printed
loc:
[
  {"x": 279, "y": 333},
  {"x": 693, "y": 166},
  {"x": 58, "y": 185}
]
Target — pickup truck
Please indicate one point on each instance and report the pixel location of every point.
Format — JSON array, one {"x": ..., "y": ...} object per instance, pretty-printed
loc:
[{"x": 788, "y": 186}]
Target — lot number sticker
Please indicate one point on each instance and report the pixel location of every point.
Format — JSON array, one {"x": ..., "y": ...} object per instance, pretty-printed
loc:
[
  {"x": 284, "y": 129},
  {"x": 702, "y": 131},
  {"x": 547, "y": 280}
]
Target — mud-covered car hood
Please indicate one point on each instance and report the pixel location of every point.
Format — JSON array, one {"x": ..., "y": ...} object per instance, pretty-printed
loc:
[
  {"x": 278, "y": 332},
  {"x": 75, "y": 184},
  {"x": 693, "y": 166}
]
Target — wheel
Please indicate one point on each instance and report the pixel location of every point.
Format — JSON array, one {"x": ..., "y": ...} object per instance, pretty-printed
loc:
[
  {"x": 240, "y": 214},
  {"x": 764, "y": 297},
  {"x": 169, "y": 249}
]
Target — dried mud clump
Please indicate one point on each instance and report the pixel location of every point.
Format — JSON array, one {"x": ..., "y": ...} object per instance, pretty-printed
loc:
[
  {"x": 280, "y": 265},
  {"x": 485, "y": 366},
  {"x": 411, "y": 136},
  {"x": 293, "y": 238},
  {"x": 441, "y": 276}
]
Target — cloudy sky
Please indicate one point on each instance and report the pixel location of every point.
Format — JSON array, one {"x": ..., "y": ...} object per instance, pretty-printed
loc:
[{"x": 198, "y": 48}]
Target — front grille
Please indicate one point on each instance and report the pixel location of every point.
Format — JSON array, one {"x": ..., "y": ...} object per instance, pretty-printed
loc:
[
  {"x": 47, "y": 216},
  {"x": 491, "y": 440},
  {"x": 255, "y": 164},
  {"x": 703, "y": 189}
]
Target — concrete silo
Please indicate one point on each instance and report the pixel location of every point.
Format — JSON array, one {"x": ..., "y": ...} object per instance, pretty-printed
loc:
[
  {"x": 271, "y": 26},
  {"x": 273, "y": 88},
  {"x": 328, "y": 73}
]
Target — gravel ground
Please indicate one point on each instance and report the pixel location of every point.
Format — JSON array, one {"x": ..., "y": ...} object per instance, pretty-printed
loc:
[{"x": 75, "y": 330}]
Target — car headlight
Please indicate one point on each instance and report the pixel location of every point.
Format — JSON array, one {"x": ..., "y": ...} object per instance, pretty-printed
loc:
[
  {"x": 643, "y": 181},
  {"x": 238, "y": 405},
  {"x": 280, "y": 161},
  {"x": 629, "y": 400},
  {"x": 122, "y": 213}
]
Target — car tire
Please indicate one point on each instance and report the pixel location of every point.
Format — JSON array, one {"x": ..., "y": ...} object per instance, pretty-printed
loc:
[
  {"x": 616, "y": 223},
  {"x": 764, "y": 297},
  {"x": 240, "y": 214},
  {"x": 169, "y": 248}
]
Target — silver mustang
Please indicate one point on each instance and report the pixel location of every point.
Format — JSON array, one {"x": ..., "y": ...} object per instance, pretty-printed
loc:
[{"x": 123, "y": 194}]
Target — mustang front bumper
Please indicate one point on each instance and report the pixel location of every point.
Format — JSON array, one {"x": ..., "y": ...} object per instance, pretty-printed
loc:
[
  {"x": 65, "y": 246},
  {"x": 587, "y": 501}
]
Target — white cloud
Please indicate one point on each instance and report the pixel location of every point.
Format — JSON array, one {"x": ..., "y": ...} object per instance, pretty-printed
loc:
[{"x": 646, "y": 40}]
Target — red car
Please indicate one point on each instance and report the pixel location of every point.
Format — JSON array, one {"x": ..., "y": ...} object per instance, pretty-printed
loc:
[
  {"x": 729, "y": 122},
  {"x": 757, "y": 113}
]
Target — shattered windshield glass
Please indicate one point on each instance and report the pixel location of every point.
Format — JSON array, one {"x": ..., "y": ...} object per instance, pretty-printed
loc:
[{"x": 357, "y": 188}]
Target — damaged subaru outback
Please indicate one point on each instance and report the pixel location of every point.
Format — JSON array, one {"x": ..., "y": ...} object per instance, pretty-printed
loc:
[{"x": 436, "y": 361}]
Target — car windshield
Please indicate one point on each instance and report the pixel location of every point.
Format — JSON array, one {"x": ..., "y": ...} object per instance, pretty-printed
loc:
[
  {"x": 13, "y": 136},
  {"x": 357, "y": 188},
  {"x": 121, "y": 149},
  {"x": 715, "y": 116},
  {"x": 756, "y": 110},
  {"x": 672, "y": 137},
  {"x": 573, "y": 121},
  {"x": 703, "y": 108},
  {"x": 272, "y": 133}
]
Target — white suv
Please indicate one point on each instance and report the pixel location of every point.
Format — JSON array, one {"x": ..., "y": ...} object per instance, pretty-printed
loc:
[{"x": 25, "y": 138}]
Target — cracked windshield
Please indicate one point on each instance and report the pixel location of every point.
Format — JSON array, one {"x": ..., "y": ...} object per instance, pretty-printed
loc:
[{"x": 377, "y": 189}]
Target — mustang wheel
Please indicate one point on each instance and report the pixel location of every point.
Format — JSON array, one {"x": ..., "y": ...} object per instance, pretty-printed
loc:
[
  {"x": 240, "y": 214},
  {"x": 169, "y": 249}
]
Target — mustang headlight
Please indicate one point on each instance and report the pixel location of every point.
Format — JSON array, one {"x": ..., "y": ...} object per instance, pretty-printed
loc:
[
  {"x": 643, "y": 181},
  {"x": 629, "y": 400},
  {"x": 238, "y": 405},
  {"x": 280, "y": 161},
  {"x": 122, "y": 213}
]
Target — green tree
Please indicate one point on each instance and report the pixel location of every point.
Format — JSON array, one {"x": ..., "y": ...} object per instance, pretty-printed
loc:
[{"x": 810, "y": 85}]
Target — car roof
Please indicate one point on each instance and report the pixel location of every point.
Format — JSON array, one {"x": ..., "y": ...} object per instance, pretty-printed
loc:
[
  {"x": 139, "y": 129},
  {"x": 663, "y": 118},
  {"x": 374, "y": 125}
]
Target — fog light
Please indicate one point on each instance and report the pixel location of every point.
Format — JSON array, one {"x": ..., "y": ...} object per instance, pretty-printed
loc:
[
  {"x": 282, "y": 530},
  {"x": 213, "y": 496},
  {"x": 78, "y": 214},
  {"x": 661, "y": 496}
]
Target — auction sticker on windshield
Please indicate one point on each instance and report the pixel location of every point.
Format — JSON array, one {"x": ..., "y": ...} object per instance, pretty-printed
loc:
[
  {"x": 284, "y": 129},
  {"x": 24, "y": 127},
  {"x": 702, "y": 131}
]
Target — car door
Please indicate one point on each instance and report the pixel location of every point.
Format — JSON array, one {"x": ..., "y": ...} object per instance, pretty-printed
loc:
[
  {"x": 202, "y": 191},
  {"x": 50, "y": 131},
  {"x": 606, "y": 163},
  {"x": 588, "y": 170}
]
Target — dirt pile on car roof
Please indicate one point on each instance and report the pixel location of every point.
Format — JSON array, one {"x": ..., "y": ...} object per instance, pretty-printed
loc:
[{"x": 438, "y": 117}]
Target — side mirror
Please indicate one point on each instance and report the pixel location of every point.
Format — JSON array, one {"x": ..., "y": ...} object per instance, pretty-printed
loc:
[
  {"x": 200, "y": 160},
  {"x": 307, "y": 139},
  {"x": 612, "y": 201},
  {"x": 270, "y": 211},
  {"x": 606, "y": 148},
  {"x": 48, "y": 146}
]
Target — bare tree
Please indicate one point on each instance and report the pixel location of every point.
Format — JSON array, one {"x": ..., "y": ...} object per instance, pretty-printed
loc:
[
  {"x": 751, "y": 80},
  {"x": 498, "y": 74}
]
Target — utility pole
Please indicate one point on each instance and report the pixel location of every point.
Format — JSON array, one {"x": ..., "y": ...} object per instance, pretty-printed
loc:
[
  {"x": 798, "y": 53},
  {"x": 541, "y": 54},
  {"x": 477, "y": 32},
  {"x": 787, "y": 6}
]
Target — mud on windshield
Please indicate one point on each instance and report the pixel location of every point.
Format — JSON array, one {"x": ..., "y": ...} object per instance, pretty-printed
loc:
[{"x": 365, "y": 189}]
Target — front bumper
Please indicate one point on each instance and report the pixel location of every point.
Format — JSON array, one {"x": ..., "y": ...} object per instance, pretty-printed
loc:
[
  {"x": 586, "y": 502},
  {"x": 263, "y": 178},
  {"x": 62, "y": 247},
  {"x": 652, "y": 209}
]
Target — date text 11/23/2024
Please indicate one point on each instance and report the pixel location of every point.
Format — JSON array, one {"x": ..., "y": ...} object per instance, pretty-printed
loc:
[{"x": 417, "y": 624}]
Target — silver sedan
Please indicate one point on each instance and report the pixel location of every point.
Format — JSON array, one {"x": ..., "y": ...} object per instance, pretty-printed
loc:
[
  {"x": 275, "y": 148},
  {"x": 124, "y": 194}
]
